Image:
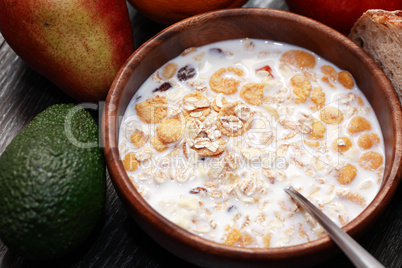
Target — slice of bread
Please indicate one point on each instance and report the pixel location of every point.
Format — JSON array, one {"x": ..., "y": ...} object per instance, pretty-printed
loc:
[{"x": 379, "y": 33}]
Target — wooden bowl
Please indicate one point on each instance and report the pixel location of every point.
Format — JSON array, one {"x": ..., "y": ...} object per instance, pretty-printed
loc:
[{"x": 261, "y": 24}]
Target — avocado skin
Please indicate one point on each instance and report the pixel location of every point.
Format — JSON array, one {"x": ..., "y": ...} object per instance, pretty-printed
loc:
[{"x": 52, "y": 192}]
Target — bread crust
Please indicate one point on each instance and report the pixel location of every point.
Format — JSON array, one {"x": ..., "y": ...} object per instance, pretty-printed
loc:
[{"x": 379, "y": 33}]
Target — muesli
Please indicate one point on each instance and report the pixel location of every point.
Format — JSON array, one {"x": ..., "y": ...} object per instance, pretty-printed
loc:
[{"x": 213, "y": 137}]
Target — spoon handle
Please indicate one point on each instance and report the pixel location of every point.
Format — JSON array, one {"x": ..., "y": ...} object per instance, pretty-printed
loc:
[{"x": 356, "y": 253}]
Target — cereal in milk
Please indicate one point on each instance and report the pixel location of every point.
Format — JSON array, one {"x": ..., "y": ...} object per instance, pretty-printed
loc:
[{"x": 213, "y": 137}]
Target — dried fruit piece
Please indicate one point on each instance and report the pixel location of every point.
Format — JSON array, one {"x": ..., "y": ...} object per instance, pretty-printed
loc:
[
  {"x": 302, "y": 88},
  {"x": 215, "y": 51},
  {"x": 153, "y": 110},
  {"x": 358, "y": 124},
  {"x": 170, "y": 130},
  {"x": 342, "y": 144},
  {"x": 267, "y": 69},
  {"x": 347, "y": 174},
  {"x": 252, "y": 93},
  {"x": 186, "y": 73},
  {"x": 370, "y": 160},
  {"x": 367, "y": 140},
  {"x": 198, "y": 190},
  {"x": 299, "y": 58},
  {"x": 130, "y": 163},
  {"x": 225, "y": 85},
  {"x": 165, "y": 86},
  {"x": 346, "y": 80},
  {"x": 331, "y": 115}
]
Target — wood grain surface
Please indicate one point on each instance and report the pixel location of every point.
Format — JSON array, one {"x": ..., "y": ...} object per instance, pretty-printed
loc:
[{"x": 118, "y": 241}]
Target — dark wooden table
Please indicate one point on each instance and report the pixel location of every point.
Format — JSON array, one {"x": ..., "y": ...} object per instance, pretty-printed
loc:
[{"x": 118, "y": 241}]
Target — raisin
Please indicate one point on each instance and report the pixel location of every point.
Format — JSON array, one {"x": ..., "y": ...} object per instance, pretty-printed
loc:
[
  {"x": 186, "y": 73},
  {"x": 216, "y": 52},
  {"x": 197, "y": 190},
  {"x": 232, "y": 207},
  {"x": 165, "y": 86}
]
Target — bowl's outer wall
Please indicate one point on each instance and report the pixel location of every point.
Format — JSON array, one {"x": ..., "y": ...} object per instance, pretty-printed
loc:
[{"x": 257, "y": 23}]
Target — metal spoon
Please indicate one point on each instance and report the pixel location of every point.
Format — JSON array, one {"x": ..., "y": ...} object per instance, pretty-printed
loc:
[{"x": 356, "y": 253}]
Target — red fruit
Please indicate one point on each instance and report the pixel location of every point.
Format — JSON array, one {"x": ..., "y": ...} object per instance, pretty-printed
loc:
[
  {"x": 340, "y": 14},
  {"x": 171, "y": 11},
  {"x": 266, "y": 68}
]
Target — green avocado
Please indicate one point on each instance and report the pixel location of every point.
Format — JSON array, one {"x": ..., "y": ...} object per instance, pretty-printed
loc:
[{"x": 52, "y": 184}]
